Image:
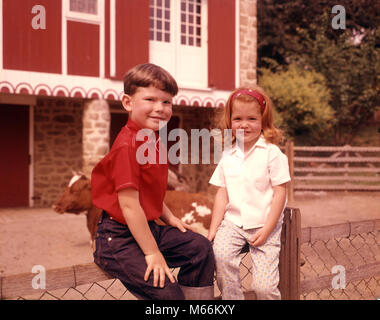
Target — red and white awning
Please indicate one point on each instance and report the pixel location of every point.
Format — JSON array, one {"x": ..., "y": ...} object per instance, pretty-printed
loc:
[{"x": 55, "y": 85}]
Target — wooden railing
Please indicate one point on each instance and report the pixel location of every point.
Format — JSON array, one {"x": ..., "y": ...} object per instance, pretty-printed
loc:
[
  {"x": 20, "y": 286},
  {"x": 307, "y": 258},
  {"x": 333, "y": 168}
]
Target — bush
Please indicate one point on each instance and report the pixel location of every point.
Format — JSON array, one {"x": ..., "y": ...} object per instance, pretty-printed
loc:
[{"x": 301, "y": 101}]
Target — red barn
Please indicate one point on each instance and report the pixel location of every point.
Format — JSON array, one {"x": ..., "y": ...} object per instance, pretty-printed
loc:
[{"x": 61, "y": 67}]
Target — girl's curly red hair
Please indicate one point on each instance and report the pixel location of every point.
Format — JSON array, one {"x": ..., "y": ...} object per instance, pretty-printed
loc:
[{"x": 270, "y": 132}]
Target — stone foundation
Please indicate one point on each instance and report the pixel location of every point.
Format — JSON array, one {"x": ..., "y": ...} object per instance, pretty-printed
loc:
[
  {"x": 96, "y": 133},
  {"x": 57, "y": 146}
]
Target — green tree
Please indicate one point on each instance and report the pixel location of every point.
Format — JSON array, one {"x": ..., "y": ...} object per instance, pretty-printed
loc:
[
  {"x": 352, "y": 73},
  {"x": 281, "y": 24},
  {"x": 301, "y": 100},
  {"x": 300, "y": 31}
]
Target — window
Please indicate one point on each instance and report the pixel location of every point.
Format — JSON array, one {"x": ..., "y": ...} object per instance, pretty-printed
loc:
[
  {"x": 159, "y": 23},
  {"x": 178, "y": 40},
  {"x": 88, "y": 11},
  {"x": 191, "y": 22},
  {"x": 84, "y": 6}
]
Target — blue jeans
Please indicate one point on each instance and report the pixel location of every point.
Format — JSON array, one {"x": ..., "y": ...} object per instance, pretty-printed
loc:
[{"x": 118, "y": 253}]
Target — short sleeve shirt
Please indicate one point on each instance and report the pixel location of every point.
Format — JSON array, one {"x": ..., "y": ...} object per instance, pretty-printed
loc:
[
  {"x": 121, "y": 169},
  {"x": 249, "y": 180}
]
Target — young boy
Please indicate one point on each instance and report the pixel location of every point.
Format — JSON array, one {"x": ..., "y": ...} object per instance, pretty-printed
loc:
[{"x": 129, "y": 245}]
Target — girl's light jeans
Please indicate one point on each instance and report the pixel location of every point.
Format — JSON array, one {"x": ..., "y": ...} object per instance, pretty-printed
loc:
[{"x": 228, "y": 242}]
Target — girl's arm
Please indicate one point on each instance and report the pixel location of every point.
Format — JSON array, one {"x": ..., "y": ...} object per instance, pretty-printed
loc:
[
  {"x": 220, "y": 203},
  {"x": 279, "y": 197},
  {"x": 138, "y": 225}
]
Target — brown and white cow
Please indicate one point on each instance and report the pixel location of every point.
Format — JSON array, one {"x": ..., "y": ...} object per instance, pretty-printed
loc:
[
  {"x": 192, "y": 208},
  {"x": 77, "y": 199}
]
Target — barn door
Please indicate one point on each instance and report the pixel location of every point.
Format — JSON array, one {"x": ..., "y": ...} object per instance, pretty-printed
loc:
[
  {"x": 118, "y": 121},
  {"x": 14, "y": 159}
]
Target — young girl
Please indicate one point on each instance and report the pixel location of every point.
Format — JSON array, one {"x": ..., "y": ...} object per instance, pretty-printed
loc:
[{"x": 249, "y": 203}]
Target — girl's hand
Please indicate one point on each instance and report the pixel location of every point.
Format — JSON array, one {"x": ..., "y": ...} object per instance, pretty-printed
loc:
[
  {"x": 259, "y": 238},
  {"x": 156, "y": 263}
]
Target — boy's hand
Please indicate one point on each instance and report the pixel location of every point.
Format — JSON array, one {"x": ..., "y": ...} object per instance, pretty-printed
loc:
[
  {"x": 211, "y": 235},
  {"x": 156, "y": 263},
  {"x": 259, "y": 238},
  {"x": 177, "y": 223}
]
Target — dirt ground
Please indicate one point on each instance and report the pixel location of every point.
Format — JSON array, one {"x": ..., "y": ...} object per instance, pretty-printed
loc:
[{"x": 39, "y": 236}]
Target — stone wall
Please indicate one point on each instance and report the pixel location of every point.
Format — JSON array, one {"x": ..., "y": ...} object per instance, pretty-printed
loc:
[
  {"x": 57, "y": 146},
  {"x": 96, "y": 137},
  {"x": 248, "y": 42}
]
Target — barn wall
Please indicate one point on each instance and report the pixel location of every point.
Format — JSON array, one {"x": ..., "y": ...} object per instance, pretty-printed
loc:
[
  {"x": 57, "y": 146},
  {"x": 26, "y": 48}
]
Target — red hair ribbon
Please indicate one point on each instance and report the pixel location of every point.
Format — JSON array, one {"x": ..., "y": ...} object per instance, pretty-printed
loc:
[{"x": 258, "y": 96}]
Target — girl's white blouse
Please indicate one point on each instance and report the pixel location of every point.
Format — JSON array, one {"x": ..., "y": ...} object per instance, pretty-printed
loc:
[{"x": 249, "y": 180}]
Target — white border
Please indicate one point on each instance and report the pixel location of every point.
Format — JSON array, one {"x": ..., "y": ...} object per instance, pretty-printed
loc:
[
  {"x": 112, "y": 38},
  {"x": 237, "y": 43},
  {"x": 1, "y": 35},
  {"x": 64, "y": 37},
  {"x": 204, "y": 39},
  {"x": 102, "y": 41}
]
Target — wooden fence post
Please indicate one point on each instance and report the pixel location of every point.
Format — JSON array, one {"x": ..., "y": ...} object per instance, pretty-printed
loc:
[
  {"x": 290, "y": 255},
  {"x": 289, "y": 151},
  {"x": 295, "y": 255}
]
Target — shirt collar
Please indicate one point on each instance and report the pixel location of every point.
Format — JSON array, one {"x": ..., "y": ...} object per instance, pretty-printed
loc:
[
  {"x": 132, "y": 125},
  {"x": 135, "y": 128},
  {"x": 261, "y": 143}
]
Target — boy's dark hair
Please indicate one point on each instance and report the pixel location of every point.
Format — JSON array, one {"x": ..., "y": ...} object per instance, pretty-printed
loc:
[{"x": 148, "y": 74}]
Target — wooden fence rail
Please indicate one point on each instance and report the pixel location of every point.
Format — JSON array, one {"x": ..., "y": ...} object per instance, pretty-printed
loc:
[
  {"x": 333, "y": 168},
  {"x": 19, "y": 285},
  {"x": 291, "y": 286}
]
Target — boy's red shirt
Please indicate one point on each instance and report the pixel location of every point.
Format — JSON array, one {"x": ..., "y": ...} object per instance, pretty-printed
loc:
[{"x": 119, "y": 169}]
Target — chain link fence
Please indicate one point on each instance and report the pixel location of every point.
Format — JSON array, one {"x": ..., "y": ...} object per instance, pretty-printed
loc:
[
  {"x": 341, "y": 267},
  {"x": 340, "y": 262}
]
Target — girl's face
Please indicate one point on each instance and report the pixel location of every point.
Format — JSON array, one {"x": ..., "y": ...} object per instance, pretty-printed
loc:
[{"x": 246, "y": 116}]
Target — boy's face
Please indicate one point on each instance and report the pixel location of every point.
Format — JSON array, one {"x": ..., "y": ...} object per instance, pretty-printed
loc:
[{"x": 148, "y": 106}]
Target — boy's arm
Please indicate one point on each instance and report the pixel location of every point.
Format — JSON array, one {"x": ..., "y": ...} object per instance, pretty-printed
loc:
[
  {"x": 279, "y": 197},
  {"x": 220, "y": 203},
  {"x": 138, "y": 225},
  {"x": 170, "y": 219}
]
